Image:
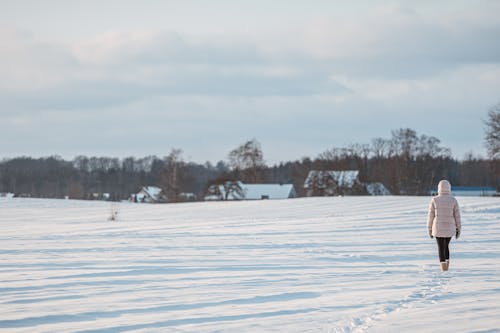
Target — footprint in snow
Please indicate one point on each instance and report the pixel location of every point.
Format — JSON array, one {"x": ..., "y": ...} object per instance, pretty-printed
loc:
[{"x": 429, "y": 291}]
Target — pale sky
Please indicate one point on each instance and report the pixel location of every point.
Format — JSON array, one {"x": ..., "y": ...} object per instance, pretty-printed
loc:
[{"x": 134, "y": 78}]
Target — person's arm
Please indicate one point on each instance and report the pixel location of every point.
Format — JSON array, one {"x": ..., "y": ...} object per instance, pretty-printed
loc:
[
  {"x": 430, "y": 217},
  {"x": 458, "y": 222}
]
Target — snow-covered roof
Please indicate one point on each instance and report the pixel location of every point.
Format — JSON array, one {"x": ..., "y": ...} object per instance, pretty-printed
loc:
[
  {"x": 152, "y": 191},
  {"x": 344, "y": 178},
  {"x": 268, "y": 191},
  {"x": 256, "y": 192},
  {"x": 377, "y": 189},
  {"x": 150, "y": 194}
]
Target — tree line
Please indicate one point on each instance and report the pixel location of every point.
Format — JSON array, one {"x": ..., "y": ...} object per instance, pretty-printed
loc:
[{"x": 406, "y": 163}]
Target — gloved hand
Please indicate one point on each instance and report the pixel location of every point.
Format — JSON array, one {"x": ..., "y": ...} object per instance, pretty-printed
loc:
[
  {"x": 457, "y": 234},
  {"x": 430, "y": 234}
]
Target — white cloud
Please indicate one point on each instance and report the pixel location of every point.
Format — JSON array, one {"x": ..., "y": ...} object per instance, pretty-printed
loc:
[
  {"x": 313, "y": 80},
  {"x": 395, "y": 41},
  {"x": 115, "y": 69},
  {"x": 27, "y": 64}
]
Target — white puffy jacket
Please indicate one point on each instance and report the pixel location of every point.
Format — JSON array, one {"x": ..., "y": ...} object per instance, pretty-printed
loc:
[{"x": 443, "y": 218}]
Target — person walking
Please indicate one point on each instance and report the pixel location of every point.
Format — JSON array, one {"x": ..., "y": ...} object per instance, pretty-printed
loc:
[{"x": 443, "y": 221}]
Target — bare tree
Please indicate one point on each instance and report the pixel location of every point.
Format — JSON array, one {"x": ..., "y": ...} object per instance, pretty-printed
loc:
[
  {"x": 429, "y": 145},
  {"x": 173, "y": 175},
  {"x": 225, "y": 189},
  {"x": 81, "y": 163},
  {"x": 248, "y": 161},
  {"x": 404, "y": 141},
  {"x": 492, "y": 139},
  {"x": 379, "y": 147},
  {"x": 128, "y": 164},
  {"x": 492, "y": 136}
]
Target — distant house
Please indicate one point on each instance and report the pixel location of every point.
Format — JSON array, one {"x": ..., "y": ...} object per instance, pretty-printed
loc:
[
  {"x": 328, "y": 183},
  {"x": 269, "y": 191},
  {"x": 342, "y": 182},
  {"x": 470, "y": 191},
  {"x": 377, "y": 189},
  {"x": 99, "y": 196},
  {"x": 149, "y": 194},
  {"x": 240, "y": 191},
  {"x": 186, "y": 196}
]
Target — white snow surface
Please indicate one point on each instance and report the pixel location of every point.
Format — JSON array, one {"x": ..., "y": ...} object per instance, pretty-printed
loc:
[{"x": 336, "y": 264}]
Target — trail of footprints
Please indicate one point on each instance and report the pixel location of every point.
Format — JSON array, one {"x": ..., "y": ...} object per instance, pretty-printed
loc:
[{"x": 429, "y": 291}]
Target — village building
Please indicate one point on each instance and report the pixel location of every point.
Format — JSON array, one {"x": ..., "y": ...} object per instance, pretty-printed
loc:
[
  {"x": 330, "y": 183},
  {"x": 99, "y": 196},
  {"x": 240, "y": 191},
  {"x": 377, "y": 189},
  {"x": 269, "y": 191},
  {"x": 149, "y": 194},
  {"x": 340, "y": 182},
  {"x": 186, "y": 196}
]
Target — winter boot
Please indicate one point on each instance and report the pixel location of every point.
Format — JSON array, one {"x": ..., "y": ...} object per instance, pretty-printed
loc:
[
  {"x": 447, "y": 264},
  {"x": 444, "y": 266}
]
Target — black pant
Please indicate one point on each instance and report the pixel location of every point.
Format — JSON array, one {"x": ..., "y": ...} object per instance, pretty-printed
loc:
[{"x": 444, "y": 251}]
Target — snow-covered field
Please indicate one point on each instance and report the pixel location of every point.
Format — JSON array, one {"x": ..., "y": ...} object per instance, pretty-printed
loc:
[{"x": 304, "y": 265}]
